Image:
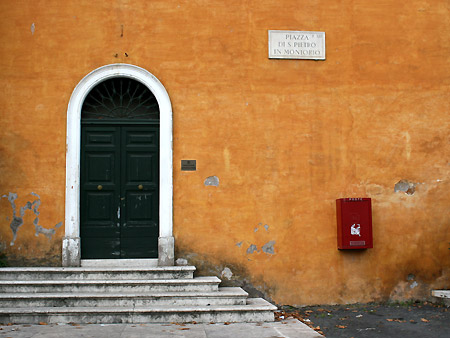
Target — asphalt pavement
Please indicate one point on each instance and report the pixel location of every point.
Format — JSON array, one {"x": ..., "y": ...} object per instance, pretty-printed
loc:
[{"x": 412, "y": 319}]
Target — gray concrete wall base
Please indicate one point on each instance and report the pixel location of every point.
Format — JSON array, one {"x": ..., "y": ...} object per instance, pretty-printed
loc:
[
  {"x": 166, "y": 248},
  {"x": 71, "y": 251}
]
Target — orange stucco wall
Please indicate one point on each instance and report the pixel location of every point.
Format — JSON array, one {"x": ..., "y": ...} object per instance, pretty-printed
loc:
[{"x": 285, "y": 137}]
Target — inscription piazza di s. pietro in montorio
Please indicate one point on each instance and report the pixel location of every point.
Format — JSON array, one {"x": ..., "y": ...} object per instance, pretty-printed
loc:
[{"x": 296, "y": 45}]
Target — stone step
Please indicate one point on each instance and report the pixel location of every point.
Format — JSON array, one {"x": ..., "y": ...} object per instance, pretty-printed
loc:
[
  {"x": 256, "y": 310},
  {"x": 225, "y": 296},
  {"x": 205, "y": 284},
  {"x": 443, "y": 295},
  {"x": 97, "y": 273}
]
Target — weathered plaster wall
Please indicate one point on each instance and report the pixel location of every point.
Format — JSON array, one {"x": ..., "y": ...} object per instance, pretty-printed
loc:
[{"x": 276, "y": 141}]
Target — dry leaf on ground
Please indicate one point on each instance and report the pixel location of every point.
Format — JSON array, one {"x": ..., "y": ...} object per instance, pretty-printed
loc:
[{"x": 398, "y": 320}]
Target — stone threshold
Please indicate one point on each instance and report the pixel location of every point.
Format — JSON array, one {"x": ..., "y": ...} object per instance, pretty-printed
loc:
[{"x": 138, "y": 262}]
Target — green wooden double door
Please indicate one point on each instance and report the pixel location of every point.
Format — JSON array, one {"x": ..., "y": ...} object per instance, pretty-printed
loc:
[{"x": 119, "y": 191}]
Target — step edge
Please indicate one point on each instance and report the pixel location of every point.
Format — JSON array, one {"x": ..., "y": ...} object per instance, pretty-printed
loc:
[
  {"x": 441, "y": 293},
  {"x": 137, "y": 309},
  {"x": 96, "y": 269},
  {"x": 197, "y": 280},
  {"x": 187, "y": 294}
]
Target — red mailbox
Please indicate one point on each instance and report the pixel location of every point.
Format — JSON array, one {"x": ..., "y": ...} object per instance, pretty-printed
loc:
[{"x": 354, "y": 223}]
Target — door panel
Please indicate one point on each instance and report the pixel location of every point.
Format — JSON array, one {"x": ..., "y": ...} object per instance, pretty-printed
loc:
[
  {"x": 100, "y": 206},
  {"x": 139, "y": 235},
  {"x": 100, "y": 189},
  {"x": 100, "y": 247},
  {"x": 119, "y": 192},
  {"x": 100, "y": 167}
]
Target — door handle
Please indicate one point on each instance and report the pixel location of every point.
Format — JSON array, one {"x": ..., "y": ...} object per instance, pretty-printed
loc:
[
  {"x": 99, "y": 187},
  {"x": 140, "y": 187}
]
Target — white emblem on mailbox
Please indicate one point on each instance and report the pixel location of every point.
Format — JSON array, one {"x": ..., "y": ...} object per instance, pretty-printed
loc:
[{"x": 355, "y": 230}]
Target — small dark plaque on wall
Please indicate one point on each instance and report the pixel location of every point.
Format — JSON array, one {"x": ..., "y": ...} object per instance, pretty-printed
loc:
[{"x": 188, "y": 165}]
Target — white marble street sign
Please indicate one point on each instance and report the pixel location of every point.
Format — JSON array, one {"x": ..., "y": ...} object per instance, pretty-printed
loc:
[{"x": 296, "y": 45}]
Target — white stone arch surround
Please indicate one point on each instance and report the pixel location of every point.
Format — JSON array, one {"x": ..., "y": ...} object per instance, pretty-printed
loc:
[{"x": 71, "y": 250}]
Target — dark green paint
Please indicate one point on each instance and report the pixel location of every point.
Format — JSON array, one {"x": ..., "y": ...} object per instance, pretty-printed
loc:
[{"x": 119, "y": 220}]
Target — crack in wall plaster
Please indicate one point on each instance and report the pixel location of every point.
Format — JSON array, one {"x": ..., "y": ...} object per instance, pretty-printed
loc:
[{"x": 18, "y": 221}]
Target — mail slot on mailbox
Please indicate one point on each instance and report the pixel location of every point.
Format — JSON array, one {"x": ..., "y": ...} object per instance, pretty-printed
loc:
[{"x": 354, "y": 223}]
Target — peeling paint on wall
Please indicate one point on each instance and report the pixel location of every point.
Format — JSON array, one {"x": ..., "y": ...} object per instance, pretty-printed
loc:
[
  {"x": 259, "y": 224},
  {"x": 413, "y": 285},
  {"x": 18, "y": 221},
  {"x": 32, "y": 28},
  {"x": 212, "y": 180},
  {"x": 268, "y": 248},
  {"x": 181, "y": 261},
  {"x": 227, "y": 273},
  {"x": 406, "y": 186},
  {"x": 251, "y": 249}
]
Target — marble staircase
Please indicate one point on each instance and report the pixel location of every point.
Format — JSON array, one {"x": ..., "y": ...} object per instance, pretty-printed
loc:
[{"x": 123, "y": 295}]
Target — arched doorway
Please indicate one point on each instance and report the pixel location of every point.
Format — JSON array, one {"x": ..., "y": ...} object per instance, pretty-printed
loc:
[{"x": 71, "y": 242}]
